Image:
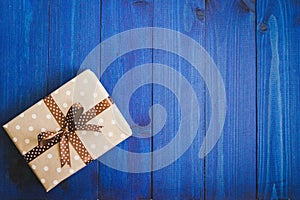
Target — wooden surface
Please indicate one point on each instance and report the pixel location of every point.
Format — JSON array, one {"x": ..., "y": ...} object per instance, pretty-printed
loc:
[
  {"x": 278, "y": 70},
  {"x": 117, "y": 17},
  {"x": 256, "y": 48},
  {"x": 183, "y": 179},
  {"x": 230, "y": 39}
]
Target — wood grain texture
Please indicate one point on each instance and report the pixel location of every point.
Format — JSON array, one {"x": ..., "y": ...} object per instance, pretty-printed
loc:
[
  {"x": 230, "y": 40},
  {"x": 23, "y": 74},
  {"x": 74, "y": 29},
  {"x": 37, "y": 41},
  {"x": 43, "y": 43},
  {"x": 278, "y": 47},
  {"x": 184, "y": 178},
  {"x": 119, "y": 16}
]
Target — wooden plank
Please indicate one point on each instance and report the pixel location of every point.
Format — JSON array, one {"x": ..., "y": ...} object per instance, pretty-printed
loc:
[
  {"x": 74, "y": 30},
  {"x": 23, "y": 75},
  {"x": 183, "y": 178},
  {"x": 230, "y": 40},
  {"x": 118, "y": 16},
  {"x": 278, "y": 47}
]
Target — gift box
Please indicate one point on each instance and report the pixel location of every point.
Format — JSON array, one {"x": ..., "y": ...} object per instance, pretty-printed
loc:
[{"x": 68, "y": 129}]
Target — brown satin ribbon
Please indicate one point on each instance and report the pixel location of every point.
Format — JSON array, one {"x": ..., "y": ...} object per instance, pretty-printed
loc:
[{"x": 75, "y": 120}]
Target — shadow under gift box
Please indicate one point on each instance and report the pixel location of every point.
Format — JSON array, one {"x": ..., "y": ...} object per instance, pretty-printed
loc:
[{"x": 89, "y": 92}]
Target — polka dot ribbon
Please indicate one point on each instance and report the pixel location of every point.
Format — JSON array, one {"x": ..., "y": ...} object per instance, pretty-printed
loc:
[{"x": 75, "y": 120}]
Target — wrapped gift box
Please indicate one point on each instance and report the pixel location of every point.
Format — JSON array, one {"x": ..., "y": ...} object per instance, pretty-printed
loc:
[{"x": 68, "y": 129}]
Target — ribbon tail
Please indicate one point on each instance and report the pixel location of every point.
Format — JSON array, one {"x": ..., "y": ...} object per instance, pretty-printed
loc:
[
  {"x": 80, "y": 148},
  {"x": 64, "y": 151},
  {"x": 44, "y": 143}
]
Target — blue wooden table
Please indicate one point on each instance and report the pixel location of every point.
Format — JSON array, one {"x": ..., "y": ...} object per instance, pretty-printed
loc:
[{"x": 256, "y": 48}]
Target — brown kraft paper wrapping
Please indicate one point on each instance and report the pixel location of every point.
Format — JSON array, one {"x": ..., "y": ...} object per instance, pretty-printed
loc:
[{"x": 83, "y": 92}]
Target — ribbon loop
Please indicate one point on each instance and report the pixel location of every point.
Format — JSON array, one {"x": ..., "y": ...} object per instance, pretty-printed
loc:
[
  {"x": 69, "y": 124},
  {"x": 73, "y": 116},
  {"x": 64, "y": 135}
]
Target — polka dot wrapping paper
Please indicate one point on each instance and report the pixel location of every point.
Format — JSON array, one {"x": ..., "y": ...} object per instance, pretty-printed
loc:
[{"x": 68, "y": 129}]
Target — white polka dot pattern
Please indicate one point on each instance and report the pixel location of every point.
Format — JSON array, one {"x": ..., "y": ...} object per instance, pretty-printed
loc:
[
  {"x": 43, "y": 146},
  {"x": 69, "y": 124},
  {"x": 33, "y": 116},
  {"x": 30, "y": 128},
  {"x": 64, "y": 151},
  {"x": 54, "y": 109}
]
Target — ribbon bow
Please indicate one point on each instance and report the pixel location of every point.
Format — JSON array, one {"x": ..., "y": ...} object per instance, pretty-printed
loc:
[
  {"x": 67, "y": 133},
  {"x": 75, "y": 120}
]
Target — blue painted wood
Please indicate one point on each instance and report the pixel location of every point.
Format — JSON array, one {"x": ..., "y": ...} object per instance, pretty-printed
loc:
[
  {"x": 119, "y": 16},
  {"x": 278, "y": 47},
  {"x": 44, "y": 42},
  {"x": 74, "y": 30},
  {"x": 230, "y": 40},
  {"x": 23, "y": 75},
  {"x": 184, "y": 178}
]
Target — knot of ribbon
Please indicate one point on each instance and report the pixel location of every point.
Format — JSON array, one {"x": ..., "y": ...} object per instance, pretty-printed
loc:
[
  {"x": 67, "y": 132},
  {"x": 75, "y": 120}
]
